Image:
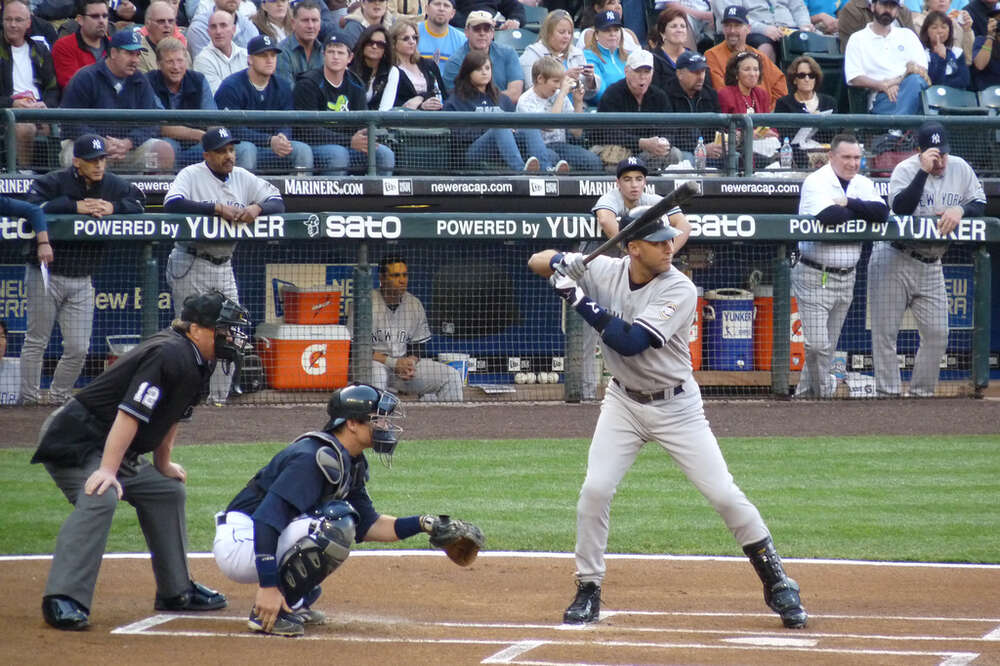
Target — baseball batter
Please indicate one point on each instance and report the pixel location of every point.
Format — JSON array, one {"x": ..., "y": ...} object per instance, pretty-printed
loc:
[
  {"x": 214, "y": 187},
  {"x": 823, "y": 278},
  {"x": 643, "y": 308},
  {"x": 904, "y": 275}
]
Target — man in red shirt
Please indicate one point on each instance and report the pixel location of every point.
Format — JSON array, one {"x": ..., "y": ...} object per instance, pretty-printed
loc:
[{"x": 85, "y": 46}]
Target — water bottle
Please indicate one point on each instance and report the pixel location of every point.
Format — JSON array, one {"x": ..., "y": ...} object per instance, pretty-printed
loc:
[
  {"x": 785, "y": 156},
  {"x": 864, "y": 159},
  {"x": 700, "y": 155},
  {"x": 437, "y": 92}
]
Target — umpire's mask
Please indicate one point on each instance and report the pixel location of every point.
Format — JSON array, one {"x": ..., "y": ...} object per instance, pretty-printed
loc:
[{"x": 231, "y": 321}]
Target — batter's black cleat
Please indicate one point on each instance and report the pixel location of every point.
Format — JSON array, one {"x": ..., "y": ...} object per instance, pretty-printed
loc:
[
  {"x": 64, "y": 613},
  {"x": 586, "y": 607},
  {"x": 285, "y": 625},
  {"x": 197, "y": 598},
  {"x": 783, "y": 599}
]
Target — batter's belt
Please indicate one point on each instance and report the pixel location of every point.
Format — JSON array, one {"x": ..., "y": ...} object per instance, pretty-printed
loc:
[{"x": 646, "y": 397}]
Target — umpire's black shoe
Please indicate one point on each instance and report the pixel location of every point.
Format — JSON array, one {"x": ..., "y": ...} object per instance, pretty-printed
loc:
[
  {"x": 197, "y": 598},
  {"x": 65, "y": 613},
  {"x": 586, "y": 607},
  {"x": 783, "y": 599}
]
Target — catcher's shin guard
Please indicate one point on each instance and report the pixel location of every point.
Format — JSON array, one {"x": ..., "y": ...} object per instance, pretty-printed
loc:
[
  {"x": 781, "y": 593},
  {"x": 315, "y": 556}
]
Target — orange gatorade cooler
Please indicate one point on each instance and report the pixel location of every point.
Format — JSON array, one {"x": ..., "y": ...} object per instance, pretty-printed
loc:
[
  {"x": 694, "y": 336},
  {"x": 763, "y": 326},
  {"x": 311, "y": 305},
  {"x": 303, "y": 357}
]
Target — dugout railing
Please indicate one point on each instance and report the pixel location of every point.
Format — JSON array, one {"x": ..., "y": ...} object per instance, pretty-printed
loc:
[{"x": 490, "y": 317}]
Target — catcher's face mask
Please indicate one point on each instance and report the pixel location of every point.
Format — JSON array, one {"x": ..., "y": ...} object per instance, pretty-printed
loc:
[{"x": 385, "y": 427}]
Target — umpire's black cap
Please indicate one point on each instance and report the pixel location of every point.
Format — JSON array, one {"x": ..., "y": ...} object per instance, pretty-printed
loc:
[
  {"x": 631, "y": 164},
  {"x": 217, "y": 137},
  {"x": 933, "y": 135},
  {"x": 204, "y": 308}
]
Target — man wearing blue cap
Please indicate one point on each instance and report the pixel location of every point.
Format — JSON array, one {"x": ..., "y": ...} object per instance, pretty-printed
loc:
[
  {"x": 117, "y": 83},
  {"x": 643, "y": 307},
  {"x": 736, "y": 29},
  {"x": 687, "y": 93},
  {"x": 86, "y": 188}
]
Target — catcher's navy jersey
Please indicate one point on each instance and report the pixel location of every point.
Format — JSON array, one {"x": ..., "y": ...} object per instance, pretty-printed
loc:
[{"x": 292, "y": 484}]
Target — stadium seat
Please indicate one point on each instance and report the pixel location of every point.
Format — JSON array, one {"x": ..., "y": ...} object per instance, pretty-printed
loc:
[
  {"x": 533, "y": 17},
  {"x": 989, "y": 99},
  {"x": 948, "y": 101},
  {"x": 518, "y": 39},
  {"x": 825, "y": 50}
]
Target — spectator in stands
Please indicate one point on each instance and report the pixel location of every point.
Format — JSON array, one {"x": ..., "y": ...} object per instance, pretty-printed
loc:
[
  {"x": 508, "y": 76},
  {"x": 116, "y": 83},
  {"x": 161, "y": 23},
  {"x": 178, "y": 87},
  {"x": 736, "y": 28},
  {"x": 986, "y": 63},
  {"x": 42, "y": 31},
  {"x": 258, "y": 89},
  {"x": 511, "y": 10},
  {"x": 415, "y": 82},
  {"x": 854, "y": 15},
  {"x": 945, "y": 61},
  {"x": 27, "y": 76},
  {"x": 687, "y": 92},
  {"x": 409, "y": 10},
  {"x": 604, "y": 51},
  {"x": 222, "y": 57},
  {"x": 372, "y": 62},
  {"x": 743, "y": 92},
  {"x": 823, "y": 14},
  {"x": 475, "y": 91},
  {"x": 805, "y": 78},
  {"x": 634, "y": 94},
  {"x": 672, "y": 38},
  {"x": 86, "y": 188},
  {"x": 371, "y": 12},
  {"x": 769, "y": 19},
  {"x": 700, "y": 19},
  {"x": 961, "y": 24},
  {"x": 273, "y": 19},
  {"x": 439, "y": 40},
  {"x": 554, "y": 90},
  {"x": 586, "y": 24},
  {"x": 301, "y": 51},
  {"x": 897, "y": 82},
  {"x": 85, "y": 46},
  {"x": 981, "y": 11},
  {"x": 10, "y": 371},
  {"x": 336, "y": 89},
  {"x": 555, "y": 39},
  {"x": 197, "y": 34}
]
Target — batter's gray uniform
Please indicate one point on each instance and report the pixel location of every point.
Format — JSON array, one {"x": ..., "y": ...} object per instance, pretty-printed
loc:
[
  {"x": 823, "y": 279},
  {"x": 675, "y": 420},
  {"x": 902, "y": 275},
  {"x": 393, "y": 329},
  {"x": 613, "y": 201},
  {"x": 198, "y": 266}
]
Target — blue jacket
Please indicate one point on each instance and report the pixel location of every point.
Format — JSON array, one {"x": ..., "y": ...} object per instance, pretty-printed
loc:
[
  {"x": 480, "y": 103},
  {"x": 195, "y": 92},
  {"x": 237, "y": 93},
  {"x": 93, "y": 87}
]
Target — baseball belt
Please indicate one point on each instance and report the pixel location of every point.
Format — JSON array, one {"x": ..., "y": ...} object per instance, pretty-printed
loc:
[
  {"x": 211, "y": 258},
  {"x": 646, "y": 397},
  {"x": 826, "y": 269},
  {"x": 896, "y": 245}
]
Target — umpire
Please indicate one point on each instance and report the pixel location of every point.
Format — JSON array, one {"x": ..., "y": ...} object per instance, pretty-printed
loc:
[{"x": 96, "y": 441}]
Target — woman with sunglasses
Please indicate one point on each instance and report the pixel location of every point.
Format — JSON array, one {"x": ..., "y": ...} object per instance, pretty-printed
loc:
[
  {"x": 415, "y": 82},
  {"x": 273, "y": 19},
  {"x": 804, "y": 78},
  {"x": 555, "y": 39},
  {"x": 372, "y": 62}
]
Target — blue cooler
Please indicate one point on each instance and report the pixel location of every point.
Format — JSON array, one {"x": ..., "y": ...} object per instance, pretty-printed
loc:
[{"x": 728, "y": 341}]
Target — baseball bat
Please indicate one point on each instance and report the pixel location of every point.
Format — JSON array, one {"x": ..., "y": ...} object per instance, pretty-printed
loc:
[{"x": 640, "y": 227}]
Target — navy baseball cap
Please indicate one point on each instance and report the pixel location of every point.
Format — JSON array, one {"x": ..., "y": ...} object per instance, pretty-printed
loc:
[
  {"x": 89, "y": 147},
  {"x": 631, "y": 164},
  {"x": 129, "y": 40},
  {"x": 217, "y": 137},
  {"x": 735, "y": 13},
  {"x": 262, "y": 44},
  {"x": 692, "y": 60},
  {"x": 334, "y": 39},
  {"x": 607, "y": 19},
  {"x": 933, "y": 135}
]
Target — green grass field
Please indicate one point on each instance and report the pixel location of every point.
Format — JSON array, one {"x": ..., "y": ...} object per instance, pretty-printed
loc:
[{"x": 879, "y": 498}]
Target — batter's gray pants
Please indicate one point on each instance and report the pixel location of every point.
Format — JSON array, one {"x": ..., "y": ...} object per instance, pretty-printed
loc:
[
  {"x": 822, "y": 310},
  {"x": 897, "y": 281},
  {"x": 680, "y": 427},
  {"x": 70, "y": 301},
  {"x": 159, "y": 505}
]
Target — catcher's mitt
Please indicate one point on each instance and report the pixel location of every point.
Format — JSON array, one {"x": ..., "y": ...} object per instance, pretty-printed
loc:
[{"x": 459, "y": 539}]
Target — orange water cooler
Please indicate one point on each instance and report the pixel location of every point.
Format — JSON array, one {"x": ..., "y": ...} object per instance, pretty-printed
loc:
[
  {"x": 763, "y": 327},
  {"x": 695, "y": 334}
]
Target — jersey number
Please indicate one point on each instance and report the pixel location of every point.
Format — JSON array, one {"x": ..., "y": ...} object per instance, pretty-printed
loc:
[{"x": 147, "y": 395}]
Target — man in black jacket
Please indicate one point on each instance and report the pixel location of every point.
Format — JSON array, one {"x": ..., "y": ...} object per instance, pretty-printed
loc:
[
  {"x": 687, "y": 93},
  {"x": 83, "y": 189},
  {"x": 177, "y": 86},
  {"x": 512, "y": 10}
]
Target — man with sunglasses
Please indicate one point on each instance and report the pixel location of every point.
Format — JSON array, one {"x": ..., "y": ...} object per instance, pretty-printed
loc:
[
  {"x": 508, "y": 75},
  {"x": 511, "y": 10},
  {"x": 85, "y": 46},
  {"x": 161, "y": 22}
]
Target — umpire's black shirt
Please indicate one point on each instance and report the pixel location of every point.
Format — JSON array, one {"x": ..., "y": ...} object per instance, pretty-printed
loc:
[{"x": 157, "y": 382}]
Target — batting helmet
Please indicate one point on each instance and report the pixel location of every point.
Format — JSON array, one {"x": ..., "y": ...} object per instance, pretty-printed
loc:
[
  {"x": 362, "y": 402},
  {"x": 212, "y": 309}
]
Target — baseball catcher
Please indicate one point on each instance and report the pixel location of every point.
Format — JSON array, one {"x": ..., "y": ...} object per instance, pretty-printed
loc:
[{"x": 295, "y": 521}]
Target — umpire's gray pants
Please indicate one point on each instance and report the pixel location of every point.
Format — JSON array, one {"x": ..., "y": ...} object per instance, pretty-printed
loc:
[
  {"x": 159, "y": 505},
  {"x": 823, "y": 306}
]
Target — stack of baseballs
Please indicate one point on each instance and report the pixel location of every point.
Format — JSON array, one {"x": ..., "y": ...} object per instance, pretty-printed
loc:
[{"x": 539, "y": 378}]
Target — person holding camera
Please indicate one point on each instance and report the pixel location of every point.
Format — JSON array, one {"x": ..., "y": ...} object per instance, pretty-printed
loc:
[{"x": 985, "y": 62}]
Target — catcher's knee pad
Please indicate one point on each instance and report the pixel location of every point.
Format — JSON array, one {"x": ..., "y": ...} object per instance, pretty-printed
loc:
[{"x": 318, "y": 554}]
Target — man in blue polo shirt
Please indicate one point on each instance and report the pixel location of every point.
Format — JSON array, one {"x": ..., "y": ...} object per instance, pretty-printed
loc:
[{"x": 507, "y": 72}]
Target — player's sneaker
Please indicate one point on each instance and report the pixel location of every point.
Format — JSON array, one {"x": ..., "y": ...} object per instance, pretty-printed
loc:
[
  {"x": 586, "y": 607},
  {"x": 286, "y": 625},
  {"x": 783, "y": 599},
  {"x": 307, "y": 615}
]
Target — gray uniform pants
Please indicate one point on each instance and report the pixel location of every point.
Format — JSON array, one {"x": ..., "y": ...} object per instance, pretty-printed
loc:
[
  {"x": 823, "y": 307},
  {"x": 159, "y": 504},
  {"x": 70, "y": 301},
  {"x": 897, "y": 281},
  {"x": 432, "y": 381},
  {"x": 677, "y": 424},
  {"x": 186, "y": 275}
]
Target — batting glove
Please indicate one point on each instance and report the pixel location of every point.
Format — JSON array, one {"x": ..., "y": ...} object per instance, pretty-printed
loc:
[
  {"x": 569, "y": 264},
  {"x": 567, "y": 289}
]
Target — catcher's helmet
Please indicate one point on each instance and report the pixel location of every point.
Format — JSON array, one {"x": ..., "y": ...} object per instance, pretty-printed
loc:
[
  {"x": 362, "y": 402},
  {"x": 212, "y": 309}
]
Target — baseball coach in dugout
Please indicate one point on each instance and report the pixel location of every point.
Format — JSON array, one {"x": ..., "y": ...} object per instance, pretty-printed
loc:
[
  {"x": 95, "y": 443},
  {"x": 643, "y": 307}
]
